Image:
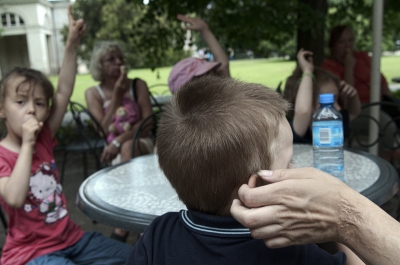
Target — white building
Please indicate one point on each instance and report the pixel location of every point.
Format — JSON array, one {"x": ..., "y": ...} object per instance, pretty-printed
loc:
[{"x": 30, "y": 34}]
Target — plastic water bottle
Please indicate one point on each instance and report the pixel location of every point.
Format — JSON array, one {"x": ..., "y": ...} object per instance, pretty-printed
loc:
[{"x": 327, "y": 131}]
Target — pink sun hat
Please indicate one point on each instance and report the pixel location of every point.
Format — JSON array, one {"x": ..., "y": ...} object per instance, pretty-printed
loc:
[{"x": 186, "y": 69}]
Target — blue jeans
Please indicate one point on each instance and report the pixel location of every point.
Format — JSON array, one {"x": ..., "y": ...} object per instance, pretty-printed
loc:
[{"x": 92, "y": 248}]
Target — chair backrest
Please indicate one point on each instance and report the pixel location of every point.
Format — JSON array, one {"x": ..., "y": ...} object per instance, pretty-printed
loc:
[
  {"x": 279, "y": 89},
  {"x": 387, "y": 129},
  {"x": 164, "y": 91},
  {"x": 147, "y": 127},
  {"x": 161, "y": 97},
  {"x": 89, "y": 129}
]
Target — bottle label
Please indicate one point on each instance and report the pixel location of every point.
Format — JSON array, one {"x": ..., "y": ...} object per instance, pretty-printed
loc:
[{"x": 327, "y": 133}]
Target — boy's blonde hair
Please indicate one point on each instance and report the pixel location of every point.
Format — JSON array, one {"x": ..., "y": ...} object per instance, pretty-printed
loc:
[
  {"x": 32, "y": 77},
  {"x": 216, "y": 133}
]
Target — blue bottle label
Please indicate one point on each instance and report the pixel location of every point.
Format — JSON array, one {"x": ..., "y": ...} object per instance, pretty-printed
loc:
[{"x": 327, "y": 133}]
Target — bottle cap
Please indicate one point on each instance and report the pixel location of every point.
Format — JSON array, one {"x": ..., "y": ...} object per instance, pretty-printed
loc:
[{"x": 326, "y": 98}]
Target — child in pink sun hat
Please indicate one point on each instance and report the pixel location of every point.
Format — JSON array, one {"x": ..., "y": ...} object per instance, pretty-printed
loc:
[{"x": 186, "y": 69}]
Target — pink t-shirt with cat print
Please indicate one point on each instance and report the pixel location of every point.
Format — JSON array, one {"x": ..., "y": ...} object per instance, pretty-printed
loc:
[{"x": 42, "y": 225}]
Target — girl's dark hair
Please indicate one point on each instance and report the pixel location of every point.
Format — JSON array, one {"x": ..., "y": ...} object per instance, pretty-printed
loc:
[
  {"x": 336, "y": 32},
  {"x": 33, "y": 77},
  {"x": 293, "y": 82}
]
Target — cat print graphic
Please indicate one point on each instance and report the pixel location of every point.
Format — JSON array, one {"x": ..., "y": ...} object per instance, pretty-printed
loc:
[{"x": 47, "y": 193}]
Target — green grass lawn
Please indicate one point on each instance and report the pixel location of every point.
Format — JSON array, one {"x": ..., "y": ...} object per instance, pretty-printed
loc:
[{"x": 268, "y": 72}]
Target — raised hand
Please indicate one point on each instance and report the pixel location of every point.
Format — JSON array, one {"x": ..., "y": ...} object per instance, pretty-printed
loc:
[
  {"x": 305, "y": 61},
  {"x": 121, "y": 85},
  {"x": 346, "y": 90},
  {"x": 30, "y": 130},
  {"x": 196, "y": 24},
  {"x": 76, "y": 29}
]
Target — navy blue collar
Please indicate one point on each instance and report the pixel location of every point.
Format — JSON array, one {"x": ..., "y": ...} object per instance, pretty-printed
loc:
[{"x": 223, "y": 226}]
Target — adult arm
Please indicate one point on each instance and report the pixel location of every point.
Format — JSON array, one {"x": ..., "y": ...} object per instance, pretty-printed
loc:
[
  {"x": 219, "y": 54},
  {"x": 349, "y": 63},
  {"x": 303, "y": 105},
  {"x": 306, "y": 205},
  {"x": 66, "y": 79},
  {"x": 350, "y": 100}
]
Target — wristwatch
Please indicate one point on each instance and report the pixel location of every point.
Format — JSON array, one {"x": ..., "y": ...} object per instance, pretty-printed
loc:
[{"x": 116, "y": 143}]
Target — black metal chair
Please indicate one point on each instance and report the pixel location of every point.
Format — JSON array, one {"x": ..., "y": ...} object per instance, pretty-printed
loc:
[
  {"x": 158, "y": 101},
  {"x": 147, "y": 127},
  {"x": 279, "y": 89},
  {"x": 85, "y": 135},
  {"x": 388, "y": 132},
  {"x": 3, "y": 219},
  {"x": 165, "y": 91}
]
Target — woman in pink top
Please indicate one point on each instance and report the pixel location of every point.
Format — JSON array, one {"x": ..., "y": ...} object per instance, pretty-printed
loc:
[{"x": 117, "y": 97}]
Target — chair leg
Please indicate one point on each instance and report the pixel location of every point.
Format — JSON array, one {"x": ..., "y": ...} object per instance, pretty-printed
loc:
[
  {"x": 63, "y": 166},
  {"x": 97, "y": 160},
  {"x": 84, "y": 165},
  {"x": 3, "y": 220}
]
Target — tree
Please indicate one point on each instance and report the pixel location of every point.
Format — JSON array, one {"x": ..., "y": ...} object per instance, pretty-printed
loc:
[
  {"x": 257, "y": 24},
  {"x": 358, "y": 15},
  {"x": 239, "y": 23},
  {"x": 147, "y": 38},
  {"x": 154, "y": 37}
]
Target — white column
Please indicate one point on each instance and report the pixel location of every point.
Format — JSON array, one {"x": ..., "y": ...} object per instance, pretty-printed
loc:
[
  {"x": 375, "y": 71},
  {"x": 38, "y": 50}
]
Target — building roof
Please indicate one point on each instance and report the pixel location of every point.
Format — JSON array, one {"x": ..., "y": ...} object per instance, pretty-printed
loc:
[{"x": 24, "y": 2}]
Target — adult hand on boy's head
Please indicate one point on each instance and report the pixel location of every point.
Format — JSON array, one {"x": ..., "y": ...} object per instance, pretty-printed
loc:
[
  {"x": 196, "y": 24},
  {"x": 305, "y": 61},
  {"x": 30, "y": 129},
  {"x": 300, "y": 206},
  {"x": 76, "y": 29}
]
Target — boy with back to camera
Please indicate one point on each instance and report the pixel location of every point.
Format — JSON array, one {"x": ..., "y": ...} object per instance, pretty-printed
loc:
[
  {"x": 213, "y": 136},
  {"x": 40, "y": 230}
]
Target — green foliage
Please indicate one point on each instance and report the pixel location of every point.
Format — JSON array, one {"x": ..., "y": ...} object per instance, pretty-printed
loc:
[
  {"x": 148, "y": 37},
  {"x": 265, "y": 25},
  {"x": 358, "y": 14},
  {"x": 268, "y": 49},
  {"x": 153, "y": 37},
  {"x": 241, "y": 24}
]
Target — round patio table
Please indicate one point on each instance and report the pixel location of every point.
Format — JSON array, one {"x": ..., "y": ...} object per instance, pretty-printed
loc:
[{"x": 132, "y": 194}]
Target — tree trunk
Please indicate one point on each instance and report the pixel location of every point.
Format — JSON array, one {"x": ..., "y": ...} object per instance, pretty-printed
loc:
[{"x": 313, "y": 39}]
